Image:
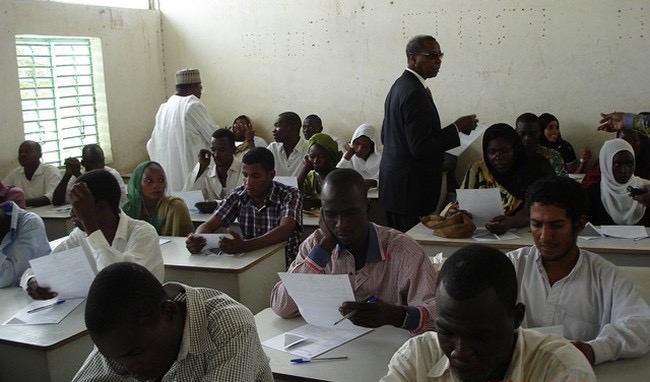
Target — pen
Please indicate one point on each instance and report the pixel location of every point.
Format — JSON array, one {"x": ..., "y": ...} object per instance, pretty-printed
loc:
[
  {"x": 373, "y": 299},
  {"x": 641, "y": 238},
  {"x": 46, "y": 306},
  {"x": 306, "y": 360}
]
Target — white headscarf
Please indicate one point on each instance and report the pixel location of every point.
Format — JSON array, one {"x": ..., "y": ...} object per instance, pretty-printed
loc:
[
  {"x": 615, "y": 197},
  {"x": 369, "y": 168}
]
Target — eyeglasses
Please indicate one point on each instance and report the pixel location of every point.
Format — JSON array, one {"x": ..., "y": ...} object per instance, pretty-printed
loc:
[{"x": 433, "y": 55}]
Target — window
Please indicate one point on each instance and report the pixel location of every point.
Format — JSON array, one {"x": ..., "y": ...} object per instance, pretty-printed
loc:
[{"x": 62, "y": 92}]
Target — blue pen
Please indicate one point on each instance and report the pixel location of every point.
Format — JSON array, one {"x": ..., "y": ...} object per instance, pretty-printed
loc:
[
  {"x": 46, "y": 306},
  {"x": 307, "y": 360},
  {"x": 371, "y": 300}
]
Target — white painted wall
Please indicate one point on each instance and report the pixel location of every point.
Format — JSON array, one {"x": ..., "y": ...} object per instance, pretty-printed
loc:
[
  {"x": 339, "y": 58},
  {"x": 133, "y": 69}
]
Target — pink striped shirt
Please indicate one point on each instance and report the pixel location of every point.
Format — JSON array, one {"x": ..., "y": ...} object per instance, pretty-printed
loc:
[{"x": 396, "y": 270}]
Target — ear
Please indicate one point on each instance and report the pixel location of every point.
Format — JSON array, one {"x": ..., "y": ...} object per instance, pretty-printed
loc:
[
  {"x": 272, "y": 173},
  {"x": 580, "y": 223},
  {"x": 168, "y": 311},
  {"x": 518, "y": 312}
]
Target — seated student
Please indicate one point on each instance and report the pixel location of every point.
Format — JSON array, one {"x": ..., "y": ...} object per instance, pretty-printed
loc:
[
  {"x": 218, "y": 179},
  {"x": 623, "y": 121},
  {"x": 108, "y": 233},
  {"x": 380, "y": 261},
  {"x": 14, "y": 194},
  {"x": 37, "y": 180},
  {"x": 147, "y": 200},
  {"x": 506, "y": 166},
  {"x": 172, "y": 332},
  {"x": 322, "y": 156},
  {"x": 22, "y": 238},
  {"x": 478, "y": 337},
  {"x": 244, "y": 132},
  {"x": 561, "y": 284},
  {"x": 313, "y": 124},
  {"x": 363, "y": 154},
  {"x": 527, "y": 127},
  {"x": 268, "y": 212},
  {"x": 289, "y": 148},
  {"x": 92, "y": 158},
  {"x": 609, "y": 201},
  {"x": 641, "y": 147},
  {"x": 552, "y": 139}
]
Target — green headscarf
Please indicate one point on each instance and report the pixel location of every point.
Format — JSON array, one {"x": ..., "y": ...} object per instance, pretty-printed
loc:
[
  {"x": 326, "y": 142},
  {"x": 133, "y": 205}
]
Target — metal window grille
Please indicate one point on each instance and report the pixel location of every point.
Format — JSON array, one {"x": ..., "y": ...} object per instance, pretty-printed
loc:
[{"x": 58, "y": 95}]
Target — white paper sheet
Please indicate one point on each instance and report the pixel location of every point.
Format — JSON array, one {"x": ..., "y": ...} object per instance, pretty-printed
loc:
[
  {"x": 190, "y": 198},
  {"x": 69, "y": 272},
  {"x": 52, "y": 315},
  {"x": 319, "y": 296},
  {"x": 467, "y": 140},
  {"x": 590, "y": 232},
  {"x": 317, "y": 339},
  {"x": 483, "y": 204},
  {"x": 482, "y": 234},
  {"x": 624, "y": 231},
  {"x": 287, "y": 180},
  {"x": 213, "y": 244}
]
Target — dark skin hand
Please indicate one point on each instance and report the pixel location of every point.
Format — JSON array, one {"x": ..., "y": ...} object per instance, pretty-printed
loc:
[
  {"x": 39, "y": 293},
  {"x": 374, "y": 315},
  {"x": 195, "y": 243},
  {"x": 234, "y": 245},
  {"x": 586, "y": 350},
  {"x": 644, "y": 198},
  {"x": 72, "y": 167},
  {"x": 83, "y": 203}
]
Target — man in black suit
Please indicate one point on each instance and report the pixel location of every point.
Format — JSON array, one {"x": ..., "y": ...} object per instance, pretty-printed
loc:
[{"x": 414, "y": 142}]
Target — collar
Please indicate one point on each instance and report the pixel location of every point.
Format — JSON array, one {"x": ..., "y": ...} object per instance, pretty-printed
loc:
[
  {"x": 419, "y": 77},
  {"x": 301, "y": 146},
  {"x": 375, "y": 252},
  {"x": 272, "y": 195},
  {"x": 540, "y": 266},
  {"x": 122, "y": 231},
  {"x": 38, "y": 171},
  {"x": 235, "y": 167}
]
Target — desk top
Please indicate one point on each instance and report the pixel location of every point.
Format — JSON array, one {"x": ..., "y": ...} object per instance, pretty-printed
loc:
[
  {"x": 368, "y": 355},
  {"x": 176, "y": 256},
  {"x": 52, "y": 212},
  {"x": 608, "y": 245},
  {"x": 41, "y": 337},
  {"x": 307, "y": 220}
]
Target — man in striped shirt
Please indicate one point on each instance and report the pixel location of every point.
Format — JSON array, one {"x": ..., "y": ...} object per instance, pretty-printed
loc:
[{"x": 380, "y": 261}]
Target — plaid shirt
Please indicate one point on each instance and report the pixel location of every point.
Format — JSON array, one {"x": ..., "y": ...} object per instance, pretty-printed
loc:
[
  {"x": 220, "y": 343},
  {"x": 280, "y": 201}
]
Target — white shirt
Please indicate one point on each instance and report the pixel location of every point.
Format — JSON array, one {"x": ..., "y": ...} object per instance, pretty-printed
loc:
[
  {"x": 594, "y": 303},
  {"x": 43, "y": 183},
  {"x": 113, "y": 172},
  {"x": 288, "y": 166},
  {"x": 259, "y": 142},
  {"x": 183, "y": 127},
  {"x": 208, "y": 183},
  {"x": 136, "y": 241},
  {"x": 536, "y": 358}
]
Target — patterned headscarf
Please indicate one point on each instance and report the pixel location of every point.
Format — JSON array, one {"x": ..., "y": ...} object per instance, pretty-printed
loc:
[
  {"x": 133, "y": 205},
  {"x": 326, "y": 142}
]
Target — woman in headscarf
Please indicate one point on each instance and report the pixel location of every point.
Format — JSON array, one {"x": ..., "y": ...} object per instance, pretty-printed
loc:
[
  {"x": 552, "y": 138},
  {"x": 610, "y": 202},
  {"x": 322, "y": 155},
  {"x": 146, "y": 200},
  {"x": 507, "y": 167},
  {"x": 363, "y": 154}
]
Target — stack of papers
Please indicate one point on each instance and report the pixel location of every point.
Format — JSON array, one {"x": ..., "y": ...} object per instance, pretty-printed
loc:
[
  {"x": 318, "y": 298},
  {"x": 69, "y": 272}
]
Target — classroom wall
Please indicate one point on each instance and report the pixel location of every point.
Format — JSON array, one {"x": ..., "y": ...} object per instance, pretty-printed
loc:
[
  {"x": 339, "y": 58},
  {"x": 133, "y": 70}
]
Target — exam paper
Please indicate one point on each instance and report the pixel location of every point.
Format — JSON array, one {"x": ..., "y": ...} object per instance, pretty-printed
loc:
[
  {"x": 482, "y": 234},
  {"x": 467, "y": 140},
  {"x": 483, "y": 204},
  {"x": 213, "y": 244},
  {"x": 190, "y": 198},
  {"x": 319, "y": 296},
  {"x": 590, "y": 232},
  {"x": 69, "y": 272},
  {"x": 52, "y": 315},
  {"x": 624, "y": 231}
]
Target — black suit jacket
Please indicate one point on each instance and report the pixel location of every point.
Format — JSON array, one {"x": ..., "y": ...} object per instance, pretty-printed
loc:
[{"x": 414, "y": 145}]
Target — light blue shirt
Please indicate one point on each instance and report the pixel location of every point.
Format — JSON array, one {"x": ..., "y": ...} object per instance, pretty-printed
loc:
[{"x": 25, "y": 240}]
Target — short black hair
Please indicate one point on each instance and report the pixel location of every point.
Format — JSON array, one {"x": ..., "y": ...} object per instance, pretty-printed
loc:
[
  {"x": 292, "y": 119},
  {"x": 415, "y": 44},
  {"x": 260, "y": 155},
  {"x": 314, "y": 118},
  {"x": 103, "y": 186},
  {"x": 225, "y": 133},
  {"x": 346, "y": 178},
  {"x": 123, "y": 291},
  {"x": 475, "y": 268},
  {"x": 527, "y": 118},
  {"x": 559, "y": 191}
]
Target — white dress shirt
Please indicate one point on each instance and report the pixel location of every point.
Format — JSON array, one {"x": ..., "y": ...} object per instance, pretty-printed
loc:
[
  {"x": 43, "y": 182},
  {"x": 210, "y": 185},
  {"x": 292, "y": 165},
  {"x": 594, "y": 303}
]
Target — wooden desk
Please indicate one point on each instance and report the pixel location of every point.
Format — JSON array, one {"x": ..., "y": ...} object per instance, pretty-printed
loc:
[
  {"x": 368, "y": 355},
  {"x": 52, "y": 352},
  {"x": 619, "y": 251},
  {"x": 57, "y": 220},
  {"x": 248, "y": 278}
]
